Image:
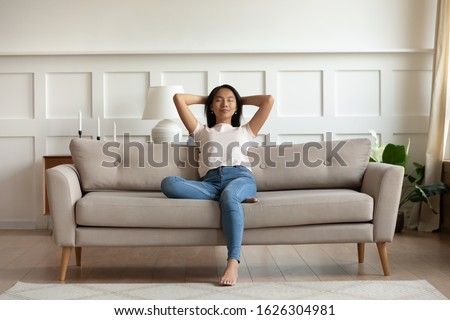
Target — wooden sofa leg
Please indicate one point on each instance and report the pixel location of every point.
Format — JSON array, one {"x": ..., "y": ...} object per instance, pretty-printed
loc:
[
  {"x": 361, "y": 252},
  {"x": 78, "y": 256},
  {"x": 382, "y": 251},
  {"x": 65, "y": 256}
]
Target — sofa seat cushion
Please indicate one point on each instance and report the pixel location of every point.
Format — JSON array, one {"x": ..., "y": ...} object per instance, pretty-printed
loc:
[
  {"x": 144, "y": 209},
  {"x": 275, "y": 209},
  {"x": 309, "y": 207}
]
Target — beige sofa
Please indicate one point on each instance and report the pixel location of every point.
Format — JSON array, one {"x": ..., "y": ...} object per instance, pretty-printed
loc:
[{"x": 309, "y": 193}]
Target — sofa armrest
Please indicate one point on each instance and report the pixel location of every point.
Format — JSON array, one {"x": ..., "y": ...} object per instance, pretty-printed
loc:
[
  {"x": 383, "y": 182},
  {"x": 64, "y": 190}
]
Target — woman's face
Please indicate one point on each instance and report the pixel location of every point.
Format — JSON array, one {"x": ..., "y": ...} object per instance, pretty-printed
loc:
[{"x": 224, "y": 105}]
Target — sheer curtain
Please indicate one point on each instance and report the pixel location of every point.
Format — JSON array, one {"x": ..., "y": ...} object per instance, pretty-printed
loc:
[{"x": 439, "y": 113}]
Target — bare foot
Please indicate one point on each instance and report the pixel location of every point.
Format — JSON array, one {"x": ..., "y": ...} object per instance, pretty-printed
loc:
[
  {"x": 251, "y": 200},
  {"x": 230, "y": 275}
]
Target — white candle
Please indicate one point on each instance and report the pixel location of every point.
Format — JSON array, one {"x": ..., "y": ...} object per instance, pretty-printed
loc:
[
  {"x": 114, "y": 135},
  {"x": 80, "y": 121},
  {"x": 98, "y": 126}
]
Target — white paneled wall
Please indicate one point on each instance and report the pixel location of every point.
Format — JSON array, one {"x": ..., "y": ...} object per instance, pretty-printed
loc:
[{"x": 343, "y": 93}]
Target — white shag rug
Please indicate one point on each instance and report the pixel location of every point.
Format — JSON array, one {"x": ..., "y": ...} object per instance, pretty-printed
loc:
[{"x": 305, "y": 290}]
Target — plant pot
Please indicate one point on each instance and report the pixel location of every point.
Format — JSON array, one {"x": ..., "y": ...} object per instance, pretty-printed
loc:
[{"x": 400, "y": 222}]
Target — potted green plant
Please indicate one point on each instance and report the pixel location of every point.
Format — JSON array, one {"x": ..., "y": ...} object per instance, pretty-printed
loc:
[{"x": 413, "y": 188}]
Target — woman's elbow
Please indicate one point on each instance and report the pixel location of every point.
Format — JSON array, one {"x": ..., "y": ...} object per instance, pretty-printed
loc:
[{"x": 270, "y": 100}]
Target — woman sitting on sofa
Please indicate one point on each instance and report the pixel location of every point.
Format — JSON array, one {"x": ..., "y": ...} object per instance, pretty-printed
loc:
[{"x": 224, "y": 166}]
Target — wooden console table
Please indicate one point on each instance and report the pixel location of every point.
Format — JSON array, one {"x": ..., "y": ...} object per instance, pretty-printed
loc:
[{"x": 47, "y": 163}]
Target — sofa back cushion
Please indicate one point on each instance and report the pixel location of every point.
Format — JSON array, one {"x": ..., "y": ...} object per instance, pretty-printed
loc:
[
  {"x": 129, "y": 166},
  {"x": 312, "y": 165},
  {"x": 138, "y": 166}
]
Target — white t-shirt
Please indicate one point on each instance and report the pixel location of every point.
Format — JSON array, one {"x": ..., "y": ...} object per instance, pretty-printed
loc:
[{"x": 222, "y": 145}]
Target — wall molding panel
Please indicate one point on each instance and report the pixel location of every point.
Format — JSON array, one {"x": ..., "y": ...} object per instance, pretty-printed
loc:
[
  {"x": 358, "y": 93},
  {"x": 18, "y": 194},
  {"x": 300, "y": 93},
  {"x": 66, "y": 93},
  {"x": 343, "y": 93},
  {"x": 125, "y": 94},
  {"x": 16, "y": 96}
]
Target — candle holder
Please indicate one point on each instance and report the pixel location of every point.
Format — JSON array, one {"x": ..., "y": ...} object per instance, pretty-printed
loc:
[{"x": 79, "y": 133}]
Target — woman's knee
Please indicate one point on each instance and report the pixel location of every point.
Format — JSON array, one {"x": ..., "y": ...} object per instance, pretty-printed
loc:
[
  {"x": 167, "y": 185},
  {"x": 167, "y": 181},
  {"x": 229, "y": 195},
  {"x": 239, "y": 191}
]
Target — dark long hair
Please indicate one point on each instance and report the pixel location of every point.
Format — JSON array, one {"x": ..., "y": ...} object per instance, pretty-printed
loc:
[{"x": 211, "y": 117}]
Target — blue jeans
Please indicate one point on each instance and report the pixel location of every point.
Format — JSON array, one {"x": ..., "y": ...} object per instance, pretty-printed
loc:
[{"x": 230, "y": 185}]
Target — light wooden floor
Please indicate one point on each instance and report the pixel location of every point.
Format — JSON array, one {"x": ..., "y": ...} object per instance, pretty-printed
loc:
[{"x": 32, "y": 256}]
